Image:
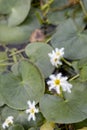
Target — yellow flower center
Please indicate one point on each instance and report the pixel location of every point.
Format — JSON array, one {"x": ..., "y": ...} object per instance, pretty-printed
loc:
[
  {"x": 32, "y": 111},
  {"x": 58, "y": 53},
  {"x": 8, "y": 122},
  {"x": 57, "y": 82}
]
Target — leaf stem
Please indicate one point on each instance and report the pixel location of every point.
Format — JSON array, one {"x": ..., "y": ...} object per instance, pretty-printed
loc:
[
  {"x": 17, "y": 52},
  {"x": 66, "y": 62},
  {"x": 6, "y": 64},
  {"x": 66, "y": 127},
  {"x": 83, "y": 8},
  {"x": 76, "y": 76}
]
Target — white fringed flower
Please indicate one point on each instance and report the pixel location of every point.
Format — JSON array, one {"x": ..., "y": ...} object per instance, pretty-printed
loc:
[
  {"x": 8, "y": 122},
  {"x": 55, "y": 56},
  {"x": 57, "y": 82},
  {"x": 31, "y": 110}
]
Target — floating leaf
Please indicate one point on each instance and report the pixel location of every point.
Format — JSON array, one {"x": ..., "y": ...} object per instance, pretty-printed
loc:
[
  {"x": 82, "y": 62},
  {"x": 18, "y": 90},
  {"x": 61, "y": 10},
  {"x": 20, "y": 117},
  {"x": 80, "y": 125},
  {"x": 54, "y": 13},
  {"x": 16, "y": 127},
  {"x": 73, "y": 40},
  {"x": 72, "y": 109},
  {"x": 84, "y": 128},
  {"x": 19, "y": 34},
  {"x": 33, "y": 128},
  {"x": 13, "y": 9},
  {"x": 83, "y": 73},
  {"x": 58, "y": 3},
  {"x": 47, "y": 126},
  {"x": 38, "y": 53},
  {"x": 85, "y": 4},
  {"x": 1, "y": 100},
  {"x": 14, "y": 69}
]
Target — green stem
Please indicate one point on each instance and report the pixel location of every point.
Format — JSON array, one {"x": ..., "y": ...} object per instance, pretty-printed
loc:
[
  {"x": 66, "y": 62},
  {"x": 66, "y": 127},
  {"x": 83, "y": 8},
  {"x": 6, "y": 64},
  {"x": 17, "y": 52},
  {"x": 48, "y": 39},
  {"x": 76, "y": 76},
  {"x": 4, "y": 60},
  {"x": 39, "y": 18}
]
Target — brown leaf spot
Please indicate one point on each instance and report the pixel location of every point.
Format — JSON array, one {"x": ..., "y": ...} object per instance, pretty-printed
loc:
[{"x": 37, "y": 36}]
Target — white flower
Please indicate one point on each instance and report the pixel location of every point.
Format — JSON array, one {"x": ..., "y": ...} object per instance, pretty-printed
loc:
[
  {"x": 56, "y": 56},
  {"x": 31, "y": 110},
  {"x": 8, "y": 122},
  {"x": 57, "y": 82}
]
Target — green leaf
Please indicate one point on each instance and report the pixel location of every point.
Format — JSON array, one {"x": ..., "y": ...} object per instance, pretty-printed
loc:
[
  {"x": 82, "y": 66},
  {"x": 73, "y": 40},
  {"x": 83, "y": 73},
  {"x": 38, "y": 53},
  {"x": 84, "y": 128},
  {"x": 19, "y": 34},
  {"x": 13, "y": 9},
  {"x": 1, "y": 100},
  {"x": 57, "y": 16},
  {"x": 16, "y": 127},
  {"x": 33, "y": 128},
  {"x": 14, "y": 69},
  {"x": 80, "y": 125},
  {"x": 59, "y": 12},
  {"x": 58, "y": 3},
  {"x": 18, "y": 90},
  {"x": 20, "y": 117},
  {"x": 47, "y": 126},
  {"x": 72, "y": 109},
  {"x": 82, "y": 62},
  {"x": 85, "y": 4}
]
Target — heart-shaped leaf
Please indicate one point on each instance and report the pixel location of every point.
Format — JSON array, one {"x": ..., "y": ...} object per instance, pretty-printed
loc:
[
  {"x": 1, "y": 100},
  {"x": 38, "y": 53},
  {"x": 85, "y": 4},
  {"x": 20, "y": 117},
  {"x": 72, "y": 109},
  {"x": 19, "y": 34},
  {"x": 16, "y": 127},
  {"x": 80, "y": 125},
  {"x": 83, "y": 73},
  {"x": 47, "y": 126},
  {"x": 17, "y": 90},
  {"x": 73, "y": 40},
  {"x": 33, "y": 128},
  {"x": 13, "y": 9}
]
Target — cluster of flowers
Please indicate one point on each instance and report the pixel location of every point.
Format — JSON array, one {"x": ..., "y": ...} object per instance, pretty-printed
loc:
[
  {"x": 58, "y": 82},
  {"x": 32, "y": 110}
]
